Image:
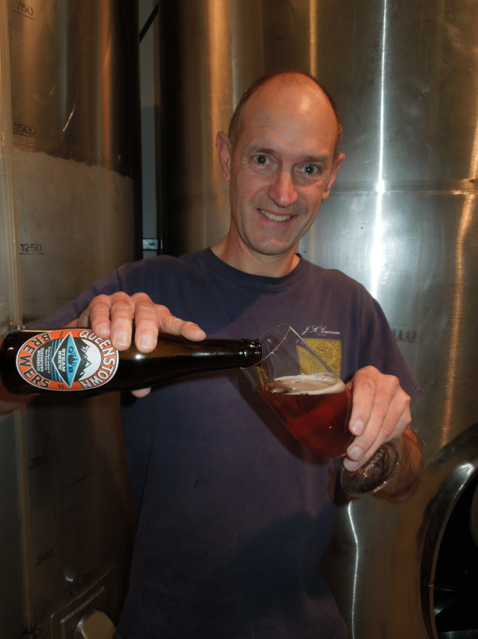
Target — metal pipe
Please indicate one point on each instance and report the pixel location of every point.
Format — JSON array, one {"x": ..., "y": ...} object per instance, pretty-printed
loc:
[
  {"x": 13, "y": 309},
  {"x": 7, "y": 194}
]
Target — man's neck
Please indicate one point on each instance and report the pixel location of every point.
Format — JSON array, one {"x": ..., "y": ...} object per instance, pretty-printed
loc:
[{"x": 246, "y": 260}]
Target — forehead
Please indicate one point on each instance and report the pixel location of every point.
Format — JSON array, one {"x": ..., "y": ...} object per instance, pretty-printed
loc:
[{"x": 295, "y": 116}]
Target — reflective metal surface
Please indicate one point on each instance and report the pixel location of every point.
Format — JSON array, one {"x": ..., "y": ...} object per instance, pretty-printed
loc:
[
  {"x": 74, "y": 82},
  {"x": 387, "y": 554},
  {"x": 459, "y": 634},
  {"x": 203, "y": 73},
  {"x": 66, "y": 516},
  {"x": 68, "y": 66},
  {"x": 401, "y": 219}
]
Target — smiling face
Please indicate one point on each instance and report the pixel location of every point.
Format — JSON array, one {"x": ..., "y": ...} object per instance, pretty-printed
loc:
[{"x": 281, "y": 170}]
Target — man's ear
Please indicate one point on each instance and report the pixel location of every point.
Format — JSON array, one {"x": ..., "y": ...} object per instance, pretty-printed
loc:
[
  {"x": 224, "y": 151},
  {"x": 333, "y": 175}
]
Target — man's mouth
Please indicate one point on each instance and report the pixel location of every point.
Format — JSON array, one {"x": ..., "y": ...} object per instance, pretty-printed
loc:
[{"x": 275, "y": 218}]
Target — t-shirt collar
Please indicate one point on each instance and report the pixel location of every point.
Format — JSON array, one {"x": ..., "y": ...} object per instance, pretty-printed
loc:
[{"x": 253, "y": 281}]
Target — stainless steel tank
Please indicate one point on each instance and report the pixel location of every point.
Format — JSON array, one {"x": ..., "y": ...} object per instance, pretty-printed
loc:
[
  {"x": 69, "y": 157},
  {"x": 401, "y": 219}
]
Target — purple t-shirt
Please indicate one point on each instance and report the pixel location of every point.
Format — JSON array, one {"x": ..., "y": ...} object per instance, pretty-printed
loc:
[{"x": 233, "y": 513}]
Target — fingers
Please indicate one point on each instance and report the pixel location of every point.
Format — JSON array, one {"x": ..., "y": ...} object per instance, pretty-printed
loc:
[
  {"x": 145, "y": 315},
  {"x": 171, "y": 324},
  {"x": 151, "y": 318},
  {"x": 381, "y": 412},
  {"x": 97, "y": 315},
  {"x": 110, "y": 316},
  {"x": 113, "y": 316},
  {"x": 142, "y": 392}
]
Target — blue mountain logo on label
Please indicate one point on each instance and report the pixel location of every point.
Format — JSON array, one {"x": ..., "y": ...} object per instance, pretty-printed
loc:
[{"x": 66, "y": 361}]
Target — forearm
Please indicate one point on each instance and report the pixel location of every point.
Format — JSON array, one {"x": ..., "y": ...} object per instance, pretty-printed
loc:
[{"x": 406, "y": 480}]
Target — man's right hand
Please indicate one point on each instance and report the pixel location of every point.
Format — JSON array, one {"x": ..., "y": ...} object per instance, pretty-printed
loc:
[{"x": 112, "y": 317}]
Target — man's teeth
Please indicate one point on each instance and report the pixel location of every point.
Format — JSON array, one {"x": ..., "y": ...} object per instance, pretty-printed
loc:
[{"x": 275, "y": 218}]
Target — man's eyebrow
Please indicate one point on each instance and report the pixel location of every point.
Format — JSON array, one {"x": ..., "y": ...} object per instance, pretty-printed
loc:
[
  {"x": 261, "y": 149},
  {"x": 314, "y": 159}
]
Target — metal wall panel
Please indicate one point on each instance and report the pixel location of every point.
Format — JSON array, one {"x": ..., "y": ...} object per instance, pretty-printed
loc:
[
  {"x": 66, "y": 518},
  {"x": 74, "y": 82}
]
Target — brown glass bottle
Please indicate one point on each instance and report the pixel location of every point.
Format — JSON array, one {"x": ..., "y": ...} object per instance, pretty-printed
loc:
[{"x": 77, "y": 360}]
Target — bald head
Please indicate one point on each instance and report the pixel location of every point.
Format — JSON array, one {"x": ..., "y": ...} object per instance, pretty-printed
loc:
[
  {"x": 280, "y": 161},
  {"x": 265, "y": 87}
]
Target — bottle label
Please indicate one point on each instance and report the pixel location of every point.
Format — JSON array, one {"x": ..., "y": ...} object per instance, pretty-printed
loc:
[{"x": 69, "y": 359}]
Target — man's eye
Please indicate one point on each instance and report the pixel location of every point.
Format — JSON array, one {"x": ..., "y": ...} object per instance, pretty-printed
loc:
[
  {"x": 261, "y": 159},
  {"x": 310, "y": 169}
]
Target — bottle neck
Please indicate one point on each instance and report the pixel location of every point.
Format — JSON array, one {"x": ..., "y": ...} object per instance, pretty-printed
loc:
[{"x": 252, "y": 352}]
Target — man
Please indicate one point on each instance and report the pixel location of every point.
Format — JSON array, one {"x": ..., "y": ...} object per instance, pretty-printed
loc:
[{"x": 233, "y": 513}]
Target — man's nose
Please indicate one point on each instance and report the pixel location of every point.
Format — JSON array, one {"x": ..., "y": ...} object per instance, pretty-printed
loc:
[{"x": 282, "y": 190}]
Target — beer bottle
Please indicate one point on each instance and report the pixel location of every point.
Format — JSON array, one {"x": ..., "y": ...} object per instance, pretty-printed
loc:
[{"x": 78, "y": 360}]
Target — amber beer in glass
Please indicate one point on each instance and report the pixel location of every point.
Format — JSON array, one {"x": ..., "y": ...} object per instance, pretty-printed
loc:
[
  {"x": 315, "y": 408},
  {"x": 315, "y": 405}
]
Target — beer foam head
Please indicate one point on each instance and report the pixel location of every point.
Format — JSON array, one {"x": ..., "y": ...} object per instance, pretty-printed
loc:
[{"x": 314, "y": 384}]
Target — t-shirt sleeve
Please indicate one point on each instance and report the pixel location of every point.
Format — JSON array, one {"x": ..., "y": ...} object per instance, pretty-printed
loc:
[
  {"x": 379, "y": 348},
  {"x": 105, "y": 286}
]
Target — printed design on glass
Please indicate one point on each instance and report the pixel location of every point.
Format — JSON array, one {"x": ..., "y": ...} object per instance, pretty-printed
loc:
[{"x": 67, "y": 360}]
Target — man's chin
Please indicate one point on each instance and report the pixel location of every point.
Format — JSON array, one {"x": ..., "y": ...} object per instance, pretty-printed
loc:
[{"x": 274, "y": 252}]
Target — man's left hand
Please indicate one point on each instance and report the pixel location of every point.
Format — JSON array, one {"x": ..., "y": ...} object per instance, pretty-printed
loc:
[{"x": 380, "y": 413}]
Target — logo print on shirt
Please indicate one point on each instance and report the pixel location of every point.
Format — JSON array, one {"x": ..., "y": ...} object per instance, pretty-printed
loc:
[
  {"x": 330, "y": 350},
  {"x": 320, "y": 330}
]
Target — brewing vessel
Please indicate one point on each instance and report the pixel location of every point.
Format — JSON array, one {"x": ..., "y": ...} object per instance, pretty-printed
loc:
[{"x": 69, "y": 132}]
